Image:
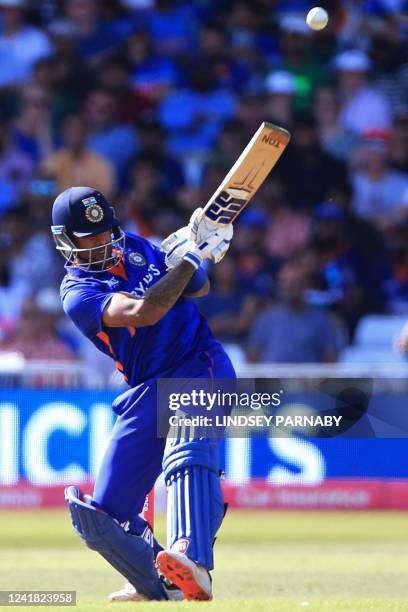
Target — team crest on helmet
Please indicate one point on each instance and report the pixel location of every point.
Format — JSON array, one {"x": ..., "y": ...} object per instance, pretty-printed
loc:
[
  {"x": 93, "y": 212},
  {"x": 137, "y": 259}
]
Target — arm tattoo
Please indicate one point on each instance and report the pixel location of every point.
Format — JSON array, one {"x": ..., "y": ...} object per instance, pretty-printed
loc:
[{"x": 169, "y": 288}]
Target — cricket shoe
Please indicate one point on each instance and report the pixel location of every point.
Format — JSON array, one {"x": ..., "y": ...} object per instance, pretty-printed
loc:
[
  {"x": 129, "y": 593},
  {"x": 192, "y": 579}
]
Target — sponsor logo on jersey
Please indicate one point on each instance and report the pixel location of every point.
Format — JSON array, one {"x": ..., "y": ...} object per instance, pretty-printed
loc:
[
  {"x": 112, "y": 283},
  {"x": 137, "y": 259},
  {"x": 140, "y": 289}
]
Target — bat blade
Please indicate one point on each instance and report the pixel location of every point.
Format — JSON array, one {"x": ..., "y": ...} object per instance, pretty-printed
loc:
[{"x": 247, "y": 174}]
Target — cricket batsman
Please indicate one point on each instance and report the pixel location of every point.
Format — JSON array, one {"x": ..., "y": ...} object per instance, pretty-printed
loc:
[{"x": 131, "y": 299}]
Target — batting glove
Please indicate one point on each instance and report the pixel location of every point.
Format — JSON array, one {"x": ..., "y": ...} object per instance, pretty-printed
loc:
[
  {"x": 179, "y": 246},
  {"x": 200, "y": 226}
]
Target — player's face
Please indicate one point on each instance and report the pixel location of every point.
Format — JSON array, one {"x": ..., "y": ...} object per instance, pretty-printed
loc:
[{"x": 96, "y": 255}]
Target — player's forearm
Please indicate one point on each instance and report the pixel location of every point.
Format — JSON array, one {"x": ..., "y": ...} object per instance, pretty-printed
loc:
[
  {"x": 124, "y": 310},
  {"x": 165, "y": 293}
]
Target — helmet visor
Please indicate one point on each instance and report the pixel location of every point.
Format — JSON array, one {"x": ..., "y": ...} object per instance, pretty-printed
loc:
[{"x": 99, "y": 258}]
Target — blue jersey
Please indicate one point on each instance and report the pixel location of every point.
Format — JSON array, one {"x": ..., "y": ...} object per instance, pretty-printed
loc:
[{"x": 144, "y": 352}]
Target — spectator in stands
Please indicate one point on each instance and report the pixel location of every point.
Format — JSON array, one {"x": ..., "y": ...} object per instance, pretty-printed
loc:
[
  {"x": 361, "y": 107},
  {"x": 296, "y": 44},
  {"x": 248, "y": 31},
  {"x": 94, "y": 36},
  {"x": 230, "y": 143},
  {"x": 114, "y": 77},
  {"x": 334, "y": 139},
  {"x": 151, "y": 74},
  {"x": 37, "y": 201},
  {"x": 13, "y": 291},
  {"x": 287, "y": 230},
  {"x": 378, "y": 190},
  {"x": 250, "y": 113},
  {"x": 301, "y": 167},
  {"x": 193, "y": 115},
  {"x": 213, "y": 50},
  {"x": 32, "y": 129},
  {"x": 75, "y": 164},
  {"x": 16, "y": 168},
  {"x": 115, "y": 141},
  {"x": 291, "y": 331},
  {"x": 256, "y": 267},
  {"x": 361, "y": 231},
  {"x": 146, "y": 201},
  {"x": 353, "y": 274},
  {"x": 280, "y": 88},
  {"x": 397, "y": 286},
  {"x": 173, "y": 26},
  {"x": 388, "y": 55},
  {"x": 152, "y": 140},
  {"x": 32, "y": 258},
  {"x": 229, "y": 308},
  {"x": 64, "y": 81},
  {"x": 21, "y": 44},
  {"x": 36, "y": 336},
  {"x": 398, "y": 151}
]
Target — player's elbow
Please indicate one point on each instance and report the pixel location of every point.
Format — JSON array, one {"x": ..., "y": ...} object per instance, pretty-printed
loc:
[
  {"x": 124, "y": 310},
  {"x": 145, "y": 314}
]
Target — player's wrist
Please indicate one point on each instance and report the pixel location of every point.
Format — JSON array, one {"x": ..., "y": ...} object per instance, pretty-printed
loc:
[{"x": 193, "y": 256}]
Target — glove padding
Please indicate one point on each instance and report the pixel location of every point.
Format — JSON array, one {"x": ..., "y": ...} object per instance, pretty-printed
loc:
[
  {"x": 201, "y": 226},
  {"x": 180, "y": 245}
]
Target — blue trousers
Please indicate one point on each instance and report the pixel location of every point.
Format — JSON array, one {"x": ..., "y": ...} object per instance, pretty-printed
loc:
[{"x": 133, "y": 459}]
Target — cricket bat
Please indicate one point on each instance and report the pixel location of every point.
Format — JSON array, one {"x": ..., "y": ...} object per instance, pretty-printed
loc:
[{"x": 247, "y": 174}]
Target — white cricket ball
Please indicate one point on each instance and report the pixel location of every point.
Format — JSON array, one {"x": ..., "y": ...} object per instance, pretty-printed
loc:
[{"x": 317, "y": 18}]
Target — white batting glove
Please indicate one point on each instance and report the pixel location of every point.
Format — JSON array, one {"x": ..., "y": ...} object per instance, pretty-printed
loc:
[
  {"x": 200, "y": 226},
  {"x": 176, "y": 246},
  {"x": 179, "y": 246}
]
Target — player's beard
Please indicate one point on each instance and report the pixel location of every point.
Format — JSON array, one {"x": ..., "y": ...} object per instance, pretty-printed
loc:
[{"x": 98, "y": 258}]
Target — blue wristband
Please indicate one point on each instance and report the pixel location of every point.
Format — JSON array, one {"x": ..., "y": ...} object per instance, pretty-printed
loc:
[
  {"x": 196, "y": 282},
  {"x": 193, "y": 259}
]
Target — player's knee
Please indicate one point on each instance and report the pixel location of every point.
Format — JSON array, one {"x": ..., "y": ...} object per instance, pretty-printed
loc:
[{"x": 198, "y": 453}]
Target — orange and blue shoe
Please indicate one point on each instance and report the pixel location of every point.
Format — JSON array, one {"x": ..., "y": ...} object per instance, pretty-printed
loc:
[{"x": 192, "y": 579}]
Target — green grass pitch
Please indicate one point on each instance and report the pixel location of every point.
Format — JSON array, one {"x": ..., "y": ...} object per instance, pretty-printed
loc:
[{"x": 283, "y": 562}]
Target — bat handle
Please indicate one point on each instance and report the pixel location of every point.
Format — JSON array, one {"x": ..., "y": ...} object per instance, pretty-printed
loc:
[{"x": 211, "y": 224}]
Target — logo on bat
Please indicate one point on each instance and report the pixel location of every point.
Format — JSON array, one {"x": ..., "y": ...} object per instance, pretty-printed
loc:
[
  {"x": 269, "y": 138},
  {"x": 227, "y": 205}
]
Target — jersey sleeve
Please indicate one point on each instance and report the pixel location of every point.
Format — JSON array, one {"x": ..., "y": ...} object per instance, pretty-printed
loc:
[{"x": 85, "y": 306}]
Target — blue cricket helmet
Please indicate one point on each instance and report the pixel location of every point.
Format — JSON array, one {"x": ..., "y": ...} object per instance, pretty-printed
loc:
[{"x": 83, "y": 211}]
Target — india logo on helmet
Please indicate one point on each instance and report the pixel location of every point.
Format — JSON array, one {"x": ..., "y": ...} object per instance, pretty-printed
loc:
[{"x": 94, "y": 213}]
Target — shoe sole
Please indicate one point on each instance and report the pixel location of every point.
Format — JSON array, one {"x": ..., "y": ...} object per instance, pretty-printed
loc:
[{"x": 182, "y": 576}]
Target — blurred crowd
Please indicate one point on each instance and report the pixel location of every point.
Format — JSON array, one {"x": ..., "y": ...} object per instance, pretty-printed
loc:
[{"x": 152, "y": 101}]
